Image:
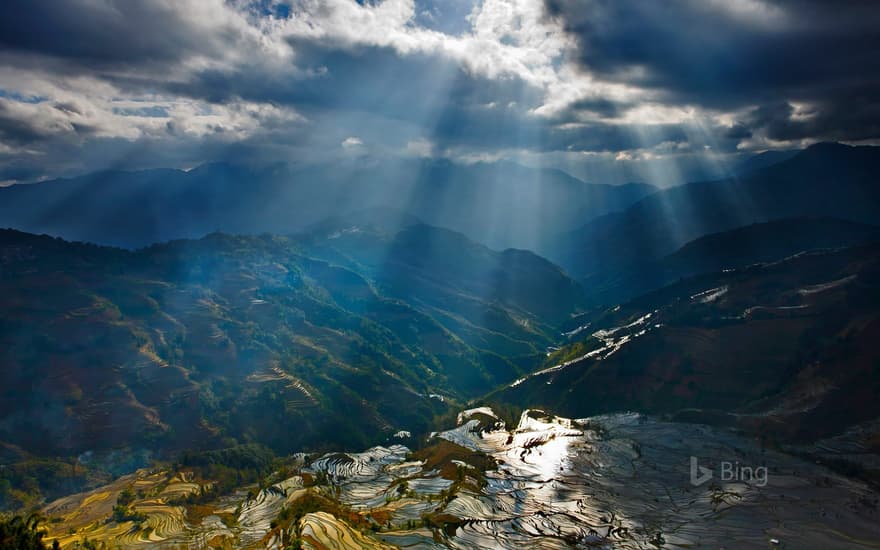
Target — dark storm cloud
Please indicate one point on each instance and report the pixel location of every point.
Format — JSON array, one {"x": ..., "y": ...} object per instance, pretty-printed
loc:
[
  {"x": 838, "y": 121},
  {"x": 102, "y": 34},
  {"x": 739, "y": 53},
  {"x": 18, "y": 130},
  {"x": 737, "y": 131},
  {"x": 695, "y": 49},
  {"x": 597, "y": 106}
]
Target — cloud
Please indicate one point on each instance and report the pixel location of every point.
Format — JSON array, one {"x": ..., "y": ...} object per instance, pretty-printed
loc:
[
  {"x": 352, "y": 142},
  {"x": 420, "y": 147},
  {"x": 733, "y": 55},
  {"x": 87, "y": 84}
]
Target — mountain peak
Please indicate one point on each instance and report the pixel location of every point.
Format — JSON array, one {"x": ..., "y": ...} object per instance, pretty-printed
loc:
[
  {"x": 836, "y": 156},
  {"x": 828, "y": 146}
]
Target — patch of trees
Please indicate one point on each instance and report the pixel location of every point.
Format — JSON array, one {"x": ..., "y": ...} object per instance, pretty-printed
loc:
[
  {"x": 123, "y": 511},
  {"x": 23, "y": 533},
  {"x": 240, "y": 457},
  {"x": 227, "y": 469},
  {"x": 24, "y": 484}
]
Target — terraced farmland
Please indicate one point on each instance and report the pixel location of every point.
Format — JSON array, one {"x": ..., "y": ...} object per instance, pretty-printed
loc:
[{"x": 613, "y": 481}]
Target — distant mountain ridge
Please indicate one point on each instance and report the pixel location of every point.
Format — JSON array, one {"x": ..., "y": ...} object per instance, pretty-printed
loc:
[
  {"x": 737, "y": 248},
  {"x": 824, "y": 180},
  {"x": 767, "y": 242},
  {"x": 763, "y": 160},
  {"x": 500, "y": 204},
  {"x": 517, "y": 278}
]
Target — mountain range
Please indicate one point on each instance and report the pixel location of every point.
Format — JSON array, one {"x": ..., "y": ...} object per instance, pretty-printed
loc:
[
  {"x": 501, "y": 204},
  {"x": 610, "y": 238},
  {"x": 824, "y": 180},
  {"x": 782, "y": 350},
  {"x": 749, "y": 303},
  {"x": 187, "y": 343}
]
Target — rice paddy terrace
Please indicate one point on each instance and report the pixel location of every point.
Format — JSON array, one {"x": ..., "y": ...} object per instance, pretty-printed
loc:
[{"x": 614, "y": 481}]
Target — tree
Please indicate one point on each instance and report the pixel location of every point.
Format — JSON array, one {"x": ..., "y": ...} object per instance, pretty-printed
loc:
[
  {"x": 22, "y": 533},
  {"x": 87, "y": 544}
]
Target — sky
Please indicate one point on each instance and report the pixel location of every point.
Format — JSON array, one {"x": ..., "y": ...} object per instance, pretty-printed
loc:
[{"x": 608, "y": 90}]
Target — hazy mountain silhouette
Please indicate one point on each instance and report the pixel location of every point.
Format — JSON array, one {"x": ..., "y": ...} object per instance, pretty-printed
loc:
[
  {"x": 763, "y": 160},
  {"x": 766, "y": 242},
  {"x": 740, "y": 247},
  {"x": 825, "y": 180},
  {"x": 501, "y": 204}
]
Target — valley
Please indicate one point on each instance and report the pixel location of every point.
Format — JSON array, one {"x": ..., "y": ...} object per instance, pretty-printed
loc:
[
  {"x": 378, "y": 382},
  {"x": 745, "y": 369}
]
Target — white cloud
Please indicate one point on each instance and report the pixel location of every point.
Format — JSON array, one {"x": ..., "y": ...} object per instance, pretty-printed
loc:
[
  {"x": 352, "y": 142},
  {"x": 420, "y": 147}
]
